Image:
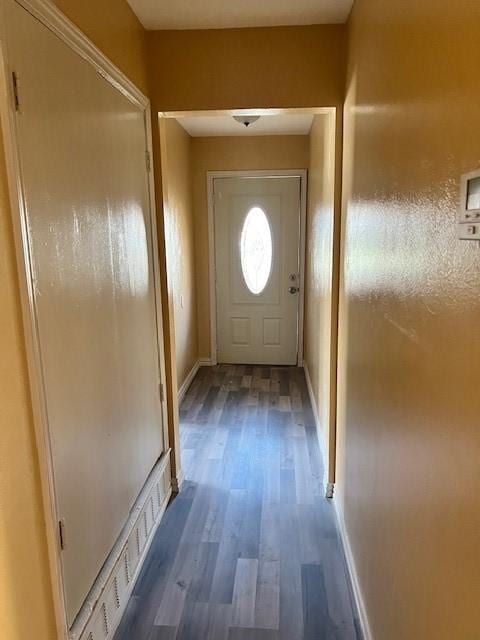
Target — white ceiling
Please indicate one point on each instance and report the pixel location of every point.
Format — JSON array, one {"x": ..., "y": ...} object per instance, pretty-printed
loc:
[
  {"x": 276, "y": 125},
  {"x": 223, "y": 14}
]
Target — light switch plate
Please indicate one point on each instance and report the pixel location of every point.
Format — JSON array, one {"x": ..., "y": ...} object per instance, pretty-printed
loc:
[{"x": 469, "y": 209}]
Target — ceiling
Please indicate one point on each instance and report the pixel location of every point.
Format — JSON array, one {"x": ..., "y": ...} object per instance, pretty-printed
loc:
[
  {"x": 274, "y": 125},
  {"x": 222, "y": 14}
]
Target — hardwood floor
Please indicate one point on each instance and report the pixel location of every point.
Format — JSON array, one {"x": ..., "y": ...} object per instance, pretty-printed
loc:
[{"x": 249, "y": 549}]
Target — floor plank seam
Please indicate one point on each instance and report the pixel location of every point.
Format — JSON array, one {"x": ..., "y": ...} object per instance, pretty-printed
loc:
[{"x": 249, "y": 549}]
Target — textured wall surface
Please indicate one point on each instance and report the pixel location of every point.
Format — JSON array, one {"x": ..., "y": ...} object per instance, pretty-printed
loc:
[
  {"x": 180, "y": 243},
  {"x": 409, "y": 437},
  {"x": 408, "y": 471},
  {"x": 318, "y": 269},
  {"x": 234, "y": 68},
  {"x": 231, "y": 154},
  {"x": 24, "y": 572}
]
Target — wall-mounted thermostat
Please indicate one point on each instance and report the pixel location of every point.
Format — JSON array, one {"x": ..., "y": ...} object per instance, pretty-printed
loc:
[{"x": 469, "y": 213}]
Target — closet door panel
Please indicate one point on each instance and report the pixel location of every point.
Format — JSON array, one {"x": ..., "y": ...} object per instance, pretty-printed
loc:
[{"x": 82, "y": 148}]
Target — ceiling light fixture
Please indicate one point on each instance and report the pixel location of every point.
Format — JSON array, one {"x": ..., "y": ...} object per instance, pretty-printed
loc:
[{"x": 246, "y": 120}]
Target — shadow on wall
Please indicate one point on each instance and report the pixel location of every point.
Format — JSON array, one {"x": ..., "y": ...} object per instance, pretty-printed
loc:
[{"x": 321, "y": 281}]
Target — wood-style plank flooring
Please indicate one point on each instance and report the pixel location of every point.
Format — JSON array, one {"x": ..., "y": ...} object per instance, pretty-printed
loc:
[{"x": 249, "y": 549}]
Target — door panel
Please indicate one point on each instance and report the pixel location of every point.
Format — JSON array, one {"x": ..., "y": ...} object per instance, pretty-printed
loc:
[
  {"x": 257, "y": 324},
  {"x": 82, "y": 155}
]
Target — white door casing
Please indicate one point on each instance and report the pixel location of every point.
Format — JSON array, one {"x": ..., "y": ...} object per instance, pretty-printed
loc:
[{"x": 258, "y": 315}]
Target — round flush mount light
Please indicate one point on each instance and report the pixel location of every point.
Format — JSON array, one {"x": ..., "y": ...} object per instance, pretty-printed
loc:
[{"x": 246, "y": 120}]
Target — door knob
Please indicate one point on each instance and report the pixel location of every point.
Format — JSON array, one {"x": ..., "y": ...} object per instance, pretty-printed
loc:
[{"x": 293, "y": 289}]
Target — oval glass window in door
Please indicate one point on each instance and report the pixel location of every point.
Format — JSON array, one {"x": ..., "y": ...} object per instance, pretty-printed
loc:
[{"x": 256, "y": 250}]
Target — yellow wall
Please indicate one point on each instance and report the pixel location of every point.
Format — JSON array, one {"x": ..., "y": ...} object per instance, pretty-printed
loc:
[
  {"x": 319, "y": 272},
  {"x": 227, "y": 69},
  {"x": 26, "y": 608},
  {"x": 231, "y": 154},
  {"x": 24, "y": 572},
  {"x": 180, "y": 240},
  {"x": 116, "y": 30},
  {"x": 409, "y": 437},
  {"x": 233, "y": 68}
]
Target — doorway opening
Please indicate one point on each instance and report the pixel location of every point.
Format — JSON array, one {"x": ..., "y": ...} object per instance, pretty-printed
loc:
[
  {"x": 255, "y": 441},
  {"x": 228, "y": 252}
]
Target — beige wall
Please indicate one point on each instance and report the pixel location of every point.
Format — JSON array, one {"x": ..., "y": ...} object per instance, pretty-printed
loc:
[
  {"x": 227, "y": 69},
  {"x": 116, "y": 30},
  {"x": 233, "y": 68},
  {"x": 231, "y": 154},
  {"x": 409, "y": 437},
  {"x": 180, "y": 240},
  {"x": 319, "y": 275},
  {"x": 24, "y": 573},
  {"x": 408, "y": 402}
]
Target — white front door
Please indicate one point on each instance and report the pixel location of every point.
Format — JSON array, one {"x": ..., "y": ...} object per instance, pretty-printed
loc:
[{"x": 257, "y": 240}]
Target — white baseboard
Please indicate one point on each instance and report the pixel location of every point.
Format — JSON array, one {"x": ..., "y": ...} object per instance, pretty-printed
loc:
[
  {"x": 201, "y": 362},
  {"x": 357, "y": 592},
  {"x": 329, "y": 493},
  {"x": 328, "y": 487},
  {"x": 106, "y": 603},
  {"x": 188, "y": 381},
  {"x": 206, "y": 362},
  {"x": 177, "y": 481}
]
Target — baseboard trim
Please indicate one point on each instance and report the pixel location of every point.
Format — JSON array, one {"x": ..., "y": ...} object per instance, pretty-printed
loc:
[
  {"x": 352, "y": 570},
  {"x": 188, "y": 381},
  {"x": 177, "y": 481},
  {"x": 107, "y": 601},
  {"x": 328, "y": 487},
  {"x": 201, "y": 362},
  {"x": 206, "y": 362}
]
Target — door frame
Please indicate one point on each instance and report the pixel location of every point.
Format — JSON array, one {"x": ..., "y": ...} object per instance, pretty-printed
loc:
[
  {"x": 265, "y": 173},
  {"x": 53, "y": 19}
]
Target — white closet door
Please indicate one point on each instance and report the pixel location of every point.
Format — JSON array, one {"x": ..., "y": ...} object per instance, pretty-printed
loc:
[
  {"x": 257, "y": 240},
  {"x": 82, "y": 150}
]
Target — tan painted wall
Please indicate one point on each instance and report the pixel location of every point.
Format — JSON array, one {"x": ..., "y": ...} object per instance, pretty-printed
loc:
[
  {"x": 24, "y": 574},
  {"x": 231, "y": 154},
  {"x": 180, "y": 243},
  {"x": 318, "y": 270},
  {"x": 233, "y": 68},
  {"x": 227, "y": 69},
  {"x": 116, "y": 30},
  {"x": 409, "y": 437}
]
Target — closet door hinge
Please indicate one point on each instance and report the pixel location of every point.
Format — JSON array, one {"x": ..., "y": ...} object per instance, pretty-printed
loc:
[
  {"x": 162, "y": 393},
  {"x": 148, "y": 161},
  {"x": 61, "y": 533},
  {"x": 16, "y": 100}
]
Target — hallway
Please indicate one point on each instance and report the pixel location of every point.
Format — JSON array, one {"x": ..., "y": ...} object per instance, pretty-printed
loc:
[{"x": 249, "y": 549}]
